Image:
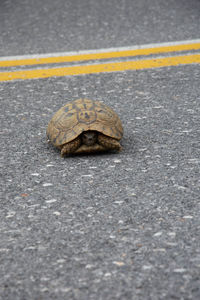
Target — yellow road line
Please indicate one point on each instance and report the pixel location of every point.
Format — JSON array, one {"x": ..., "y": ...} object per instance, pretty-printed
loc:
[
  {"x": 100, "y": 55},
  {"x": 100, "y": 68}
]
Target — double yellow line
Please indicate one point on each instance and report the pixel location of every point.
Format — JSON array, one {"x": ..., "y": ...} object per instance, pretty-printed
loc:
[{"x": 91, "y": 68}]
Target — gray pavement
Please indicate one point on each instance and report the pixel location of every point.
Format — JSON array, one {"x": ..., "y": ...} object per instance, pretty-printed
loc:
[
  {"x": 34, "y": 27},
  {"x": 111, "y": 226}
]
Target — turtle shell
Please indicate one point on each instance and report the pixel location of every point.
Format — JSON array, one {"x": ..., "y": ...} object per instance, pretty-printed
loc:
[{"x": 82, "y": 115}]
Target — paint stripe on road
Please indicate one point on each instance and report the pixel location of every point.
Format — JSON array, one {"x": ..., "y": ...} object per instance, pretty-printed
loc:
[
  {"x": 99, "y": 54},
  {"x": 188, "y": 48},
  {"x": 100, "y": 68}
]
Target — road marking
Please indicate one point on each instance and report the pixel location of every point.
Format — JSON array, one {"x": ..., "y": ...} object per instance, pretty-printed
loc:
[
  {"x": 173, "y": 48},
  {"x": 99, "y": 54},
  {"x": 100, "y": 68}
]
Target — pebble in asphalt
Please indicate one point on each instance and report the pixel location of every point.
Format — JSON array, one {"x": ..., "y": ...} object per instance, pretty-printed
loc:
[{"x": 120, "y": 226}]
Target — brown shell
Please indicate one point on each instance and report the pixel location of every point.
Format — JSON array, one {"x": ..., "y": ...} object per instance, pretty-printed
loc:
[{"x": 82, "y": 115}]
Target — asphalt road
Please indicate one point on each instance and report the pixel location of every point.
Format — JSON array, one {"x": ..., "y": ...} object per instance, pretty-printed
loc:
[
  {"x": 111, "y": 226},
  {"x": 29, "y": 27}
]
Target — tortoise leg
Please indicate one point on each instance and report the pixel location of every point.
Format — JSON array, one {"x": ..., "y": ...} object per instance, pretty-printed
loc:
[
  {"x": 71, "y": 147},
  {"x": 109, "y": 143}
]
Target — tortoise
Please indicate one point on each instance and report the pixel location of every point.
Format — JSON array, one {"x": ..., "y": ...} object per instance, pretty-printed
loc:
[{"x": 85, "y": 126}]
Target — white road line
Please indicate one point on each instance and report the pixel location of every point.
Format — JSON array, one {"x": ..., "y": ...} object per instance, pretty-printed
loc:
[{"x": 55, "y": 54}]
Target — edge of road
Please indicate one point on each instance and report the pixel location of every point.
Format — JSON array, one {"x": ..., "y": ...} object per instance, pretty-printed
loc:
[{"x": 103, "y": 50}]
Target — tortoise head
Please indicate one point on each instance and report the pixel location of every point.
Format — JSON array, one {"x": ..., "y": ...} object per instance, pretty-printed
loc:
[{"x": 89, "y": 137}]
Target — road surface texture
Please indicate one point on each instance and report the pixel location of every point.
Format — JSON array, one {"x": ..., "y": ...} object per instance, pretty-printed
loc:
[{"x": 111, "y": 226}]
